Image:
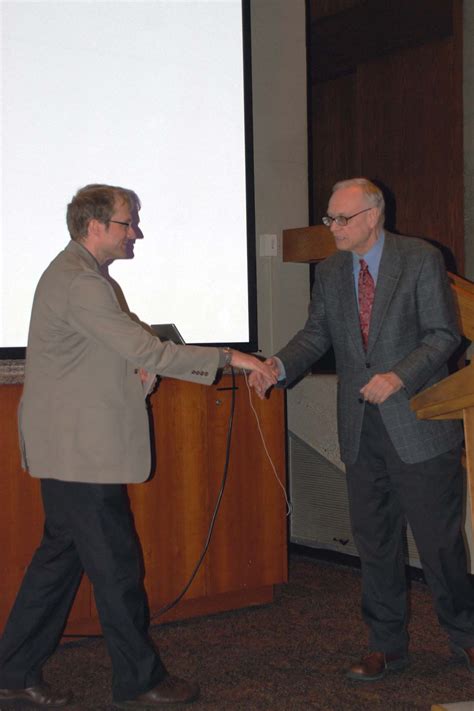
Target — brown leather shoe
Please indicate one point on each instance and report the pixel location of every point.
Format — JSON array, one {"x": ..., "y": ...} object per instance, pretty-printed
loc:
[
  {"x": 169, "y": 691},
  {"x": 375, "y": 665},
  {"x": 40, "y": 696},
  {"x": 467, "y": 653}
]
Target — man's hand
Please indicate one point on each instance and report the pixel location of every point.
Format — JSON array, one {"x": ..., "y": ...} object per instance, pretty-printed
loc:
[
  {"x": 260, "y": 383},
  {"x": 144, "y": 375},
  {"x": 274, "y": 365},
  {"x": 380, "y": 387},
  {"x": 262, "y": 376},
  {"x": 148, "y": 380}
]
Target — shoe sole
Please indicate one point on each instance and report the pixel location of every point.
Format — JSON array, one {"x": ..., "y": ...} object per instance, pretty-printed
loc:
[
  {"x": 164, "y": 704},
  {"x": 28, "y": 703},
  {"x": 398, "y": 665},
  {"x": 132, "y": 704}
]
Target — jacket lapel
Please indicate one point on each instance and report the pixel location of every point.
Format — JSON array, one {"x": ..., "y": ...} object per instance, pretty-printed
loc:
[
  {"x": 389, "y": 274},
  {"x": 351, "y": 309}
]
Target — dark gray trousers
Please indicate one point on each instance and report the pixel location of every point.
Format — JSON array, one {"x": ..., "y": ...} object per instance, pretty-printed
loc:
[
  {"x": 87, "y": 527},
  {"x": 384, "y": 492}
]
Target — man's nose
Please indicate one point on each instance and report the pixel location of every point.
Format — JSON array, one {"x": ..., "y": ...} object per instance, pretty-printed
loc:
[{"x": 132, "y": 233}]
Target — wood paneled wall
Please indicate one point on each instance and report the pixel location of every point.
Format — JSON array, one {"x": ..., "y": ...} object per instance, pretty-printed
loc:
[{"x": 386, "y": 103}]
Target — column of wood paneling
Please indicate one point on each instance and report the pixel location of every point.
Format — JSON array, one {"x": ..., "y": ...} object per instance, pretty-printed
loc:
[
  {"x": 21, "y": 522},
  {"x": 406, "y": 139},
  {"x": 386, "y": 85},
  {"x": 249, "y": 548}
]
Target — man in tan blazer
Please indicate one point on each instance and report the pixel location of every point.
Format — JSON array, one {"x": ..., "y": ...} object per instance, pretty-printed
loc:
[{"x": 84, "y": 432}]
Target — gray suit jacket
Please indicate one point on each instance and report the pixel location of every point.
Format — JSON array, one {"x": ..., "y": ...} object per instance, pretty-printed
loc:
[
  {"x": 413, "y": 332},
  {"x": 83, "y": 416}
]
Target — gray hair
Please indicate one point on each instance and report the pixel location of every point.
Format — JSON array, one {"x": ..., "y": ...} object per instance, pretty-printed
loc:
[{"x": 373, "y": 193}]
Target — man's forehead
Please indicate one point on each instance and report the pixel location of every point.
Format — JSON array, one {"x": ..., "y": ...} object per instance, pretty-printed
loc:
[
  {"x": 349, "y": 197},
  {"x": 121, "y": 205}
]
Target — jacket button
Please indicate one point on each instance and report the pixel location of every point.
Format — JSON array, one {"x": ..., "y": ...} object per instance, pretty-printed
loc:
[
  {"x": 361, "y": 400},
  {"x": 367, "y": 365}
]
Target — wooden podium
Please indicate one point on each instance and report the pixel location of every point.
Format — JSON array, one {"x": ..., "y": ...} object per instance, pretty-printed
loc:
[
  {"x": 247, "y": 555},
  {"x": 453, "y": 397}
]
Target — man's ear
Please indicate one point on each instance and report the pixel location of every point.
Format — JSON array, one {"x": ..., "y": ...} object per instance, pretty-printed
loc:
[
  {"x": 373, "y": 217},
  {"x": 94, "y": 228},
  {"x": 93, "y": 225}
]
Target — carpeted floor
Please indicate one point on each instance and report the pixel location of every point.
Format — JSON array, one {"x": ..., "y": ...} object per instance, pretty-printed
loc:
[{"x": 290, "y": 655}]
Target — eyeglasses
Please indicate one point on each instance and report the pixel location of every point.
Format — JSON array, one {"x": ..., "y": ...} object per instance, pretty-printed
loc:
[
  {"x": 119, "y": 222},
  {"x": 342, "y": 220}
]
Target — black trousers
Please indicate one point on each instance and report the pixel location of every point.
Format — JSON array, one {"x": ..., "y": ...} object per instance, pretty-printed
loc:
[
  {"x": 87, "y": 527},
  {"x": 384, "y": 492}
]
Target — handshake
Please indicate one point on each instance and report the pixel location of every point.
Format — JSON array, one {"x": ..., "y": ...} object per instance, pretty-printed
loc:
[{"x": 264, "y": 374}]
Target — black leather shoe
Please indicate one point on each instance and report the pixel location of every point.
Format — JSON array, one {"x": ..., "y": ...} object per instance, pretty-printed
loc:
[
  {"x": 169, "y": 691},
  {"x": 40, "y": 696},
  {"x": 375, "y": 665},
  {"x": 467, "y": 653}
]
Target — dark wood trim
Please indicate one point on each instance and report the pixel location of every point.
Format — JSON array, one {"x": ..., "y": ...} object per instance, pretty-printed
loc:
[{"x": 340, "y": 42}]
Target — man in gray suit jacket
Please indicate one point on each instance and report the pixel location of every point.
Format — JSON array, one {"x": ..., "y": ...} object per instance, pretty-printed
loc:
[
  {"x": 397, "y": 466},
  {"x": 84, "y": 433}
]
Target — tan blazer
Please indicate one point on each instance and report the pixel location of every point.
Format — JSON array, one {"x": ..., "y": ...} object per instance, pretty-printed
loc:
[{"x": 83, "y": 416}]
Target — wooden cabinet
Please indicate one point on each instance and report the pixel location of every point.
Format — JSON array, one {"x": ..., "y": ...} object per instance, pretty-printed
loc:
[{"x": 247, "y": 554}]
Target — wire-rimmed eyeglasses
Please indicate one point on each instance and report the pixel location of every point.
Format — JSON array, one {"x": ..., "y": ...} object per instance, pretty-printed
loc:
[
  {"x": 342, "y": 220},
  {"x": 119, "y": 222}
]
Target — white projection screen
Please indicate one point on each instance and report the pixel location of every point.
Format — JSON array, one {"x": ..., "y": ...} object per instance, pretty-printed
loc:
[{"x": 151, "y": 95}]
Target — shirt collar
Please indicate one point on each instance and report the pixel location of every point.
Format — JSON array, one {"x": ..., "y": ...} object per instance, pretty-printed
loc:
[
  {"x": 78, "y": 248},
  {"x": 372, "y": 257}
]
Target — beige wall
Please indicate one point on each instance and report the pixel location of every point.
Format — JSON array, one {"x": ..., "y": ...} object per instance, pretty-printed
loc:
[
  {"x": 281, "y": 201},
  {"x": 280, "y": 158}
]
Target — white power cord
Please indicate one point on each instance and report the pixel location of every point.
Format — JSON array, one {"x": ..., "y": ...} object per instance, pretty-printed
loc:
[{"x": 289, "y": 507}]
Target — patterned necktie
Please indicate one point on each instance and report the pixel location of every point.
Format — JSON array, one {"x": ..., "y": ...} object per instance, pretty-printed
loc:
[{"x": 366, "y": 291}]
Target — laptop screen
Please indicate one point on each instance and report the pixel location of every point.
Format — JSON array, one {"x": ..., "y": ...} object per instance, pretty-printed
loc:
[{"x": 167, "y": 332}]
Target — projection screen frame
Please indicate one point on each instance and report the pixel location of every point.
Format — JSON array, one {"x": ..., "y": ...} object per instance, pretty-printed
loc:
[{"x": 19, "y": 353}]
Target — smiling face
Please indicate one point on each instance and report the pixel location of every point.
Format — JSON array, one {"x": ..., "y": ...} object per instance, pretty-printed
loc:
[
  {"x": 362, "y": 231},
  {"x": 114, "y": 239}
]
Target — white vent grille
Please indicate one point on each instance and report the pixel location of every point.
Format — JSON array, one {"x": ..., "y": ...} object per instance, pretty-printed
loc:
[{"x": 320, "y": 516}]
